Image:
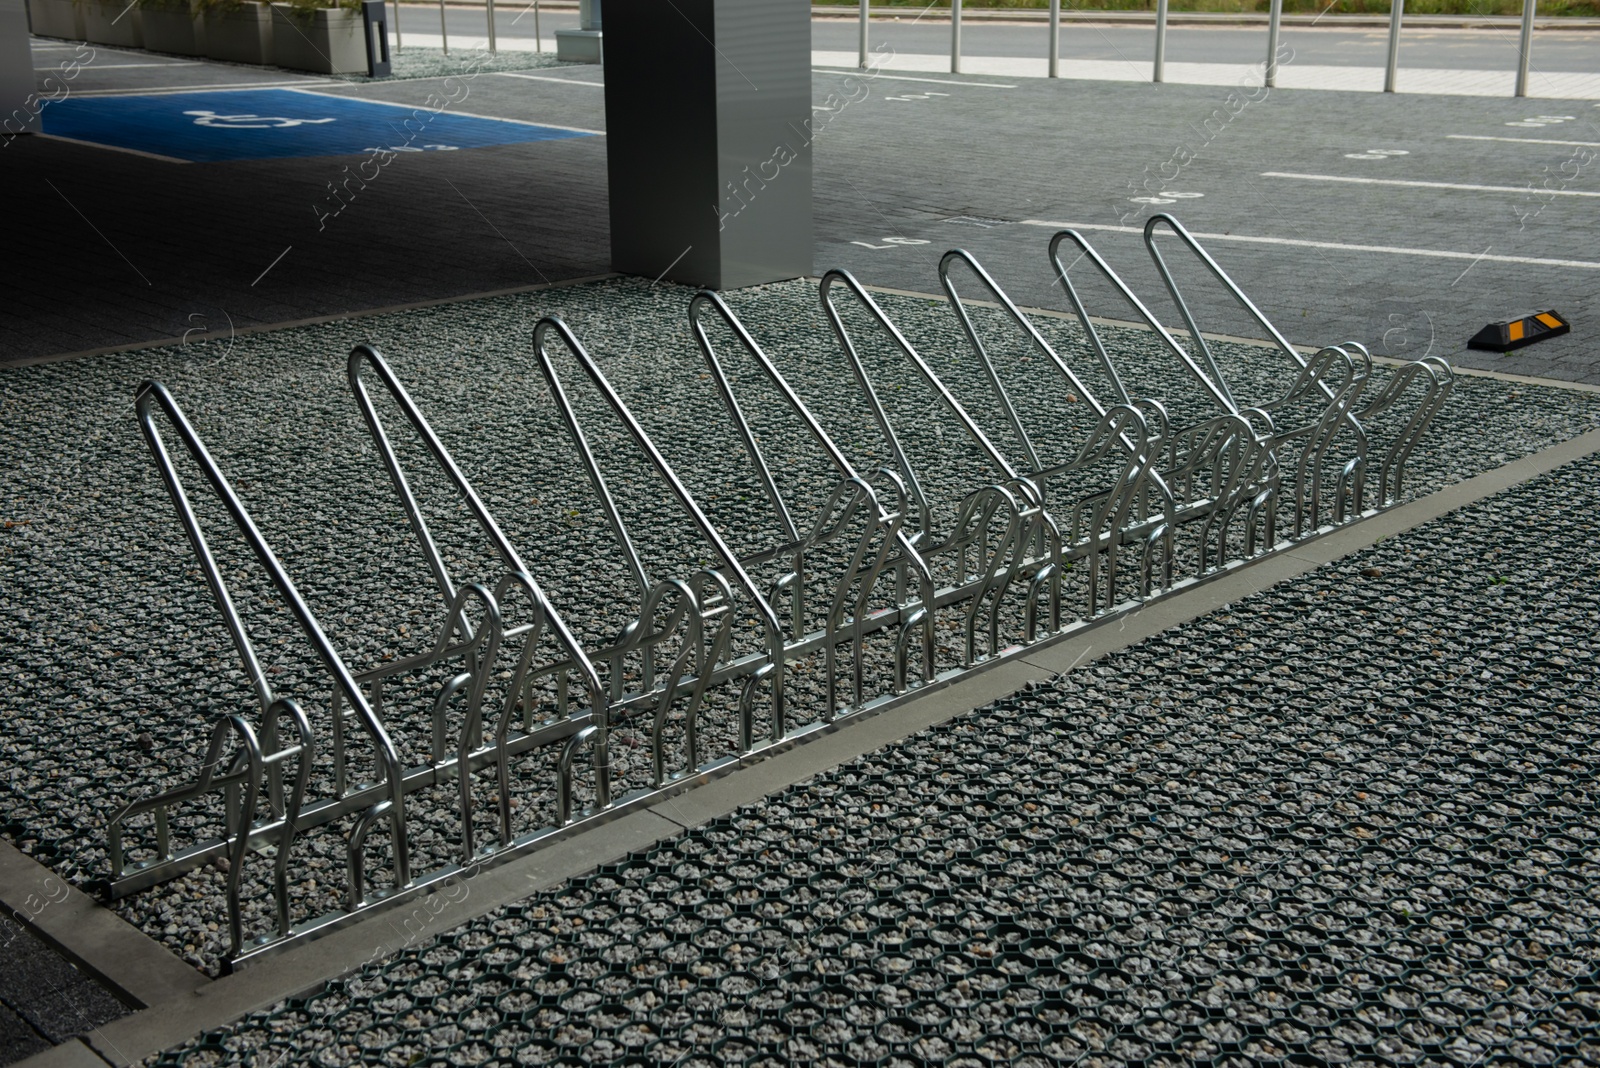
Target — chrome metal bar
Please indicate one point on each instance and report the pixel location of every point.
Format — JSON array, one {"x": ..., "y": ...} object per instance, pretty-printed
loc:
[
  {"x": 1209, "y": 377},
  {"x": 538, "y": 41},
  {"x": 1525, "y": 46},
  {"x": 1274, "y": 25},
  {"x": 1055, "y": 38},
  {"x": 1159, "y": 72},
  {"x": 1433, "y": 380},
  {"x": 152, "y": 396},
  {"x": 955, "y": 36},
  {"x": 397, "y": 40},
  {"x": 865, "y": 15},
  {"x": 492, "y": 48},
  {"x": 591, "y": 370},
  {"x": 444, "y": 32},
  {"x": 1397, "y": 10}
]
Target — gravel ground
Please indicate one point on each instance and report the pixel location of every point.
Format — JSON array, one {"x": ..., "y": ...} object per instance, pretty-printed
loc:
[
  {"x": 118, "y": 665},
  {"x": 1350, "y": 820}
]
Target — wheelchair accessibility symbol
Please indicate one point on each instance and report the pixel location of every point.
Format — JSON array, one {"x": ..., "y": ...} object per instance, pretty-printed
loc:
[{"x": 249, "y": 122}]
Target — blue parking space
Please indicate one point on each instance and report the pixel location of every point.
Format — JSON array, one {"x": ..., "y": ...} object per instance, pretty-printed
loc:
[{"x": 210, "y": 127}]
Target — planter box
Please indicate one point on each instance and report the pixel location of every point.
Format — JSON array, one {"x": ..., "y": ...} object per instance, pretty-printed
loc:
[
  {"x": 243, "y": 35},
  {"x": 175, "y": 28},
  {"x": 114, "y": 24},
  {"x": 327, "y": 42},
  {"x": 56, "y": 18}
]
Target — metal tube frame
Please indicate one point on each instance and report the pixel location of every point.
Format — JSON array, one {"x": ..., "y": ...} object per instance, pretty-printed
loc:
[
  {"x": 883, "y": 564},
  {"x": 1525, "y": 47},
  {"x": 865, "y": 15},
  {"x": 1274, "y": 26},
  {"x": 955, "y": 36},
  {"x": 1055, "y": 39},
  {"x": 1391, "y": 69},
  {"x": 1159, "y": 70}
]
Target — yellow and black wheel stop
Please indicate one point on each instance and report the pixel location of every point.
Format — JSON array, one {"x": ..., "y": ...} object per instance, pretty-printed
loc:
[{"x": 1515, "y": 333}]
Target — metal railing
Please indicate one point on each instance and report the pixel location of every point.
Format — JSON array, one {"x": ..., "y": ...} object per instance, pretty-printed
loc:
[{"x": 1270, "y": 68}]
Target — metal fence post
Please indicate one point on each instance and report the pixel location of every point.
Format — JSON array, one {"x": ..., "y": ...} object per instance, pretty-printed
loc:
[
  {"x": 444, "y": 34},
  {"x": 1160, "y": 72},
  {"x": 1526, "y": 47},
  {"x": 491, "y": 26},
  {"x": 1055, "y": 38},
  {"x": 862, "y": 62},
  {"x": 538, "y": 42},
  {"x": 1274, "y": 25},
  {"x": 397, "y": 25},
  {"x": 955, "y": 36},
  {"x": 1397, "y": 10}
]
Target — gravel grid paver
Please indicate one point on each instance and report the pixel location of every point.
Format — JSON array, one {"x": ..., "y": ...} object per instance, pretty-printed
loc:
[
  {"x": 1349, "y": 820},
  {"x": 117, "y": 664}
]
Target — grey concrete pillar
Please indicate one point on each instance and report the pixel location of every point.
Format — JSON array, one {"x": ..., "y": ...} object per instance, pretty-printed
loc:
[
  {"x": 708, "y": 131},
  {"x": 19, "y": 109}
]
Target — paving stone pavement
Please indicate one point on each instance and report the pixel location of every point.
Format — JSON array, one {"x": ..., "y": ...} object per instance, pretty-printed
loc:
[{"x": 1349, "y": 820}]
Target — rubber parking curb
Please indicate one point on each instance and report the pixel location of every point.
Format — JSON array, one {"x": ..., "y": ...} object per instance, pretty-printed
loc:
[{"x": 219, "y": 1002}]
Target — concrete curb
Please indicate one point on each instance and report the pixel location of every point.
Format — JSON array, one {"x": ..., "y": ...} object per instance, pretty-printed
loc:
[
  {"x": 138, "y": 970},
  {"x": 214, "y": 1004}
]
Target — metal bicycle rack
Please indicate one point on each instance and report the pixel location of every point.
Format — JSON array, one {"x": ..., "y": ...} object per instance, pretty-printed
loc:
[
  {"x": 1316, "y": 430},
  {"x": 518, "y": 719}
]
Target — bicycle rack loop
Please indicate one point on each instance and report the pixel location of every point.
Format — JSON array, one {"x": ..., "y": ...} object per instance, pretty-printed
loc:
[{"x": 885, "y": 591}]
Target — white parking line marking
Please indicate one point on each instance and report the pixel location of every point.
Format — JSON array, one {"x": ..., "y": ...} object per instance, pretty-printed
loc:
[
  {"x": 453, "y": 111},
  {"x": 902, "y": 78},
  {"x": 1524, "y": 140},
  {"x": 109, "y": 148},
  {"x": 1440, "y": 254},
  {"x": 545, "y": 78},
  {"x": 219, "y": 87},
  {"x": 130, "y": 66},
  {"x": 1431, "y": 185}
]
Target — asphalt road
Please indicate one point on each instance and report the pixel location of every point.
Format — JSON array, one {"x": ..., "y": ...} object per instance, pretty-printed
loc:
[
  {"x": 1470, "y": 209},
  {"x": 1563, "y": 50}
]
